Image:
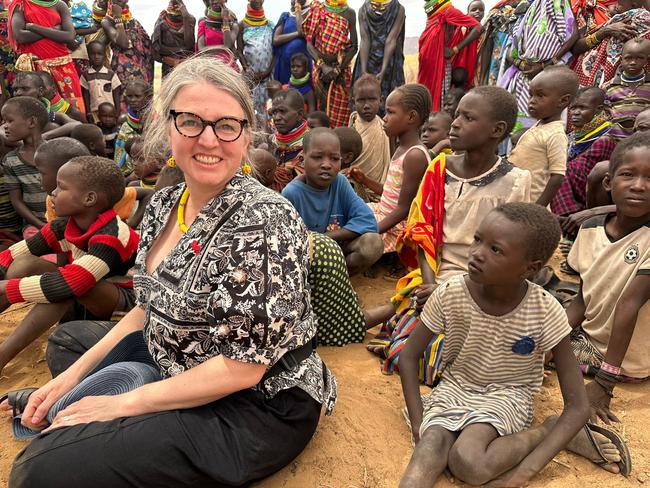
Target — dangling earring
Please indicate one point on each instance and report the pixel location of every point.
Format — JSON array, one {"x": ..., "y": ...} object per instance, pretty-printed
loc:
[
  {"x": 171, "y": 162},
  {"x": 246, "y": 168}
]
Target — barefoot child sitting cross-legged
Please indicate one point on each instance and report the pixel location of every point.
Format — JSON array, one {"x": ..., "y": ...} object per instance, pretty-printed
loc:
[
  {"x": 497, "y": 326},
  {"x": 98, "y": 245}
]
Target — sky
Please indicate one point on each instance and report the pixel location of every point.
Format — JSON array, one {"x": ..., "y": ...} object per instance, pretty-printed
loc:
[{"x": 147, "y": 11}]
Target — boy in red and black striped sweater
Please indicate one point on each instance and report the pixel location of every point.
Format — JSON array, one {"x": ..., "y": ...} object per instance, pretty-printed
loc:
[{"x": 99, "y": 248}]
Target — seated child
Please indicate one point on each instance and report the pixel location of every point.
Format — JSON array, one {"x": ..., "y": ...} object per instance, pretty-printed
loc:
[
  {"x": 98, "y": 83},
  {"x": 59, "y": 104},
  {"x": 263, "y": 166},
  {"x": 290, "y": 127},
  {"x": 327, "y": 203},
  {"x": 301, "y": 80},
  {"x": 53, "y": 154},
  {"x": 611, "y": 314},
  {"x": 30, "y": 84},
  {"x": 628, "y": 93},
  {"x": 542, "y": 150},
  {"x": 92, "y": 137},
  {"x": 476, "y": 421},
  {"x": 589, "y": 143},
  {"x": 137, "y": 94},
  {"x": 25, "y": 118},
  {"x": 146, "y": 171},
  {"x": 456, "y": 193},
  {"x": 107, "y": 122},
  {"x": 407, "y": 108},
  {"x": 98, "y": 246},
  {"x": 451, "y": 100},
  {"x": 317, "y": 119},
  {"x": 351, "y": 146},
  {"x": 435, "y": 133},
  {"x": 375, "y": 157}
]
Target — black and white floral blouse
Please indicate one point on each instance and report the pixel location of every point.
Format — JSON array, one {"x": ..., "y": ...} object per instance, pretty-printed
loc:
[{"x": 235, "y": 284}]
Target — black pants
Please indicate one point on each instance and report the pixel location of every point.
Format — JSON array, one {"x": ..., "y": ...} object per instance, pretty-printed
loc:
[
  {"x": 231, "y": 442},
  {"x": 234, "y": 441}
]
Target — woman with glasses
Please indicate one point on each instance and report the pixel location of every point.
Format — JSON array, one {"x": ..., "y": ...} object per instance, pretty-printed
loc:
[{"x": 211, "y": 380}]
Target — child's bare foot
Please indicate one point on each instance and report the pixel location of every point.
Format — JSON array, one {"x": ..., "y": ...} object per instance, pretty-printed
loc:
[{"x": 597, "y": 448}]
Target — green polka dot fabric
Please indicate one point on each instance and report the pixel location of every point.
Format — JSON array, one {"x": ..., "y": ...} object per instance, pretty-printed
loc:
[{"x": 335, "y": 303}]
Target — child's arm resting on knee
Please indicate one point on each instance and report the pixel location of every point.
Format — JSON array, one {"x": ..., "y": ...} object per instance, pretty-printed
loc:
[
  {"x": 625, "y": 320},
  {"x": 574, "y": 414},
  {"x": 16, "y": 197}
]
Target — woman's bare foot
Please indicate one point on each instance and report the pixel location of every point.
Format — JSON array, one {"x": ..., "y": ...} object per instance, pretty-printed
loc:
[{"x": 582, "y": 445}]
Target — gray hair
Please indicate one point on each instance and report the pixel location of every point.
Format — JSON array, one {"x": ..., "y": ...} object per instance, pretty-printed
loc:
[{"x": 192, "y": 71}]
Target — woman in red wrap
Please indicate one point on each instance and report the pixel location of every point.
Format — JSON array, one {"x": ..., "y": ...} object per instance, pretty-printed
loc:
[
  {"x": 40, "y": 31},
  {"x": 444, "y": 46}
]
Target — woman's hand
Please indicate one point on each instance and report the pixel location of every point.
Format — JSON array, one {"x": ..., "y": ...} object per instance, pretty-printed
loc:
[
  {"x": 622, "y": 31},
  {"x": 90, "y": 409},
  {"x": 599, "y": 400},
  {"x": 41, "y": 400},
  {"x": 448, "y": 53},
  {"x": 117, "y": 10}
]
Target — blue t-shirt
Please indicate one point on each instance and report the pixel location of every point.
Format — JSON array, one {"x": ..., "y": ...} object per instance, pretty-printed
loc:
[{"x": 334, "y": 208}]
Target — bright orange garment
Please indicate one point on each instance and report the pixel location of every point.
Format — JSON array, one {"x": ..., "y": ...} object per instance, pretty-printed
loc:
[{"x": 424, "y": 224}]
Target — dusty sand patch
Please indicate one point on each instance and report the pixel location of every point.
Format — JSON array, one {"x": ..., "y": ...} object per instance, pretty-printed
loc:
[{"x": 365, "y": 443}]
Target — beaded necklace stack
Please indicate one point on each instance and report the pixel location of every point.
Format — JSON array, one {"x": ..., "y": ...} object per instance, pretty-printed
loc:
[
  {"x": 59, "y": 104},
  {"x": 254, "y": 17},
  {"x": 633, "y": 80},
  {"x": 336, "y": 6},
  {"x": 134, "y": 120}
]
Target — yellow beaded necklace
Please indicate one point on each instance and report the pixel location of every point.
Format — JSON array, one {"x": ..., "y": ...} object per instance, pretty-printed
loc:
[{"x": 180, "y": 216}]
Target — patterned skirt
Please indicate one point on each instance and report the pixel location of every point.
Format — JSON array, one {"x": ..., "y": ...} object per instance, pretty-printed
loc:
[{"x": 335, "y": 303}]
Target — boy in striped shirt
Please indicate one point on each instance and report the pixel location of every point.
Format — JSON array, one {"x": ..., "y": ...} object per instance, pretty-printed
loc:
[{"x": 99, "y": 247}]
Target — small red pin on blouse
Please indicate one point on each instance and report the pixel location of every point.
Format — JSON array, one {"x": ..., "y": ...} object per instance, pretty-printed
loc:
[{"x": 196, "y": 247}]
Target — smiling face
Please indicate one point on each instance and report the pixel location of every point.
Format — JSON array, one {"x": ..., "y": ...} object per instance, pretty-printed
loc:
[
  {"x": 322, "y": 159},
  {"x": 367, "y": 99},
  {"x": 476, "y": 9},
  {"x": 630, "y": 183},
  {"x": 208, "y": 163},
  {"x": 497, "y": 256}
]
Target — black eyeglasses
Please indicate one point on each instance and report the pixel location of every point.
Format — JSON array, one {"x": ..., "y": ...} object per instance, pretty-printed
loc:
[{"x": 226, "y": 129}]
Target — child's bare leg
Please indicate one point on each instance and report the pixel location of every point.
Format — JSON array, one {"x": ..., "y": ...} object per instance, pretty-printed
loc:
[
  {"x": 38, "y": 320},
  {"x": 429, "y": 458},
  {"x": 481, "y": 455}
]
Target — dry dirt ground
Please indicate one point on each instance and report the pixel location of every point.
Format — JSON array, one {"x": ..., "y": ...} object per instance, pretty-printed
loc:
[{"x": 365, "y": 443}]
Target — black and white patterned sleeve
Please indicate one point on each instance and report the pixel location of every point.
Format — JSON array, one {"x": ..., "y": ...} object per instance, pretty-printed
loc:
[{"x": 256, "y": 313}]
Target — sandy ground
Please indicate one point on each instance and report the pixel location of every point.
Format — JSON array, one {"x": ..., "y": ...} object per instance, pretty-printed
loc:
[{"x": 365, "y": 443}]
